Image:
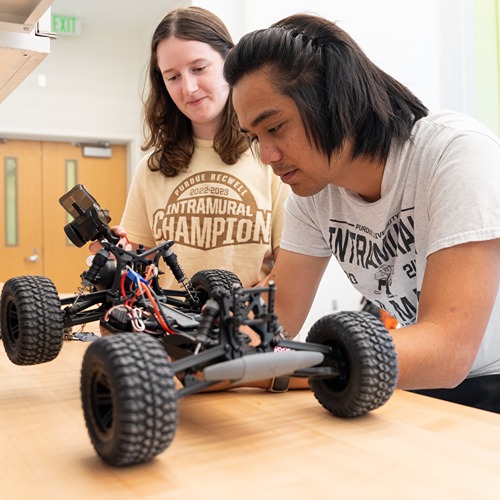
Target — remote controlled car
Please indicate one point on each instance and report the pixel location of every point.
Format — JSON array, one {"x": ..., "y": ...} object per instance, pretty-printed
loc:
[{"x": 166, "y": 344}]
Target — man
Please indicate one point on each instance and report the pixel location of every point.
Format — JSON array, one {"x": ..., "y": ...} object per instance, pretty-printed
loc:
[{"x": 400, "y": 197}]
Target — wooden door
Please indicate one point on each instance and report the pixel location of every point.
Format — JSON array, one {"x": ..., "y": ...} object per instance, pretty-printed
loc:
[
  {"x": 105, "y": 178},
  {"x": 35, "y": 175},
  {"x": 21, "y": 227}
]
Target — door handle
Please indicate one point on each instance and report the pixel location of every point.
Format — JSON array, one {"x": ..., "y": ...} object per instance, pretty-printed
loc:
[{"x": 34, "y": 257}]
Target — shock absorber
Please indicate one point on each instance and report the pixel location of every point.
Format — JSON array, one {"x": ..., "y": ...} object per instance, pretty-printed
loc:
[
  {"x": 98, "y": 262},
  {"x": 171, "y": 260},
  {"x": 209, "y": 315},
  {"x": 90, "y": 276}
]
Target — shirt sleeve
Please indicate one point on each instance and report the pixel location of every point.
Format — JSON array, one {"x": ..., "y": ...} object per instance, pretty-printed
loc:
[
  {"x": 301, "y": 230},
  {"x": 135, "y": 218},
  {"x": 464, "y": 193}
]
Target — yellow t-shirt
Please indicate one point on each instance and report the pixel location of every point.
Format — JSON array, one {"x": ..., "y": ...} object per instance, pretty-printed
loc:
[{"x": 219, "y": 216}]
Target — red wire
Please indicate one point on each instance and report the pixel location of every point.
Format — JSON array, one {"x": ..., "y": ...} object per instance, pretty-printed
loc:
[
  {"x": 146, "y": 289},
  {"x": 155, "y": 307},
  {"x": 122, "y": 285}
]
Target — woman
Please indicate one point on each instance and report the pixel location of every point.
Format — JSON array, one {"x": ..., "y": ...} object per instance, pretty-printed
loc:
[{"x": 200, "y": 186}]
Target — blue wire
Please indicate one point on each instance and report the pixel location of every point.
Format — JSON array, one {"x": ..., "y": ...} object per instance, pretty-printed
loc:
[{"x": 132, "y": 275}]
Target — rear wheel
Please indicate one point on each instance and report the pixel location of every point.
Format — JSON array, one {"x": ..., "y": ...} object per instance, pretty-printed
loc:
[
  {"x": 364, "y": 353},
  {"x": 129, "y": 398},
  {"x": 204, "y": 283},
  {"x": 31, "y": 320}
]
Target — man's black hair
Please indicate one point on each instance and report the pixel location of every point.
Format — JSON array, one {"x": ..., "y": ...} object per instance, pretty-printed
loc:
[{"x": 340, "y": 93}]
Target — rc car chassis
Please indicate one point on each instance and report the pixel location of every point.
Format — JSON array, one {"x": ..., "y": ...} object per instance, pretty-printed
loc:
[{"x": 167, "y": 344}]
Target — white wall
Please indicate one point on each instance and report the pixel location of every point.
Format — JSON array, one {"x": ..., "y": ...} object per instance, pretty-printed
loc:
[
  {"x": 93, "y": 86},
  {"x": 94, "y": 82},
  {"x": 427, "y": 45},
  {"x": 88, "y": 94}
]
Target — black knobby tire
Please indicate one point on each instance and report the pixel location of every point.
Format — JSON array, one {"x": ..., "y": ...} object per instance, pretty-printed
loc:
[
  {"x": 31, "y": 320},
  {"x": 365, "y": 353},
  {"x": 129, "y": 398},
  {"x": 206, "y": 282}
]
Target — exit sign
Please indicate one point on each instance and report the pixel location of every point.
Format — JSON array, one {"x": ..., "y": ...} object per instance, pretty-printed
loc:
[{"x": 66, "y": 25}]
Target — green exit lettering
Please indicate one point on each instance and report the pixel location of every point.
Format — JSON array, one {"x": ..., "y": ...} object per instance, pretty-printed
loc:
[{"x": 65, "y": 25}]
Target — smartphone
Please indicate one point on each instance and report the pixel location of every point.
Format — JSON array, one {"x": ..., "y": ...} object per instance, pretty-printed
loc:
[{"x": 77, "y": 201}]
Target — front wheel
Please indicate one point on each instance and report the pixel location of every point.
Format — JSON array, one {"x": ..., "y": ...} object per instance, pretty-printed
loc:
[
  {"x": 364, "y": 353},
  {"x": 129, "y": 398},
  {"x": 31, "y": 320}
]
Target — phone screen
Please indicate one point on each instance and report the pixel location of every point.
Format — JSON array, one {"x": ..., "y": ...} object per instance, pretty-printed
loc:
[{"x": 77, "y": 201}]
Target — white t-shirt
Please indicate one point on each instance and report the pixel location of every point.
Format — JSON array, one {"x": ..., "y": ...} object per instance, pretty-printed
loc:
[
  {"x": 440, "y": 189},
  {"x": 219, "y": 216}
]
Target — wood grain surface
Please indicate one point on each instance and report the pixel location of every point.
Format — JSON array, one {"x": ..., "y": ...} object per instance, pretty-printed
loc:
[{"x": 244, "y": 444}]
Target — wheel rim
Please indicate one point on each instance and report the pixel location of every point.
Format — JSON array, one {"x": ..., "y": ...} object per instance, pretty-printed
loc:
[
  {"x": 101, "y": 396},
  {"x": 341, "y": 358},
  {"x": 12, "y": 322}
]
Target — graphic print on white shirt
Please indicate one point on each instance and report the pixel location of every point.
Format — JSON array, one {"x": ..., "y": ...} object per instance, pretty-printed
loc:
[{"x": 371, "y": 258}]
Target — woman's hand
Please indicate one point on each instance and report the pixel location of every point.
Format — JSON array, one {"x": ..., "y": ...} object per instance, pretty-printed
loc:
[{"x": 119, "y": 231}]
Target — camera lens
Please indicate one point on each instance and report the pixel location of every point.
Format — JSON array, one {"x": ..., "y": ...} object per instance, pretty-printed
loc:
[{"x": 74, "y": 235}]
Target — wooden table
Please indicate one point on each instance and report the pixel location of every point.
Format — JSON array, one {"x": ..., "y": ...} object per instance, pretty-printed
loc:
[{"x": 244, "y": 444}]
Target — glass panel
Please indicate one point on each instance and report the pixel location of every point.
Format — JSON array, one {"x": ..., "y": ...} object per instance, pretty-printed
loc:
[
  {"x": 71, "y": 174},
  {"x": 11, "y": 203},
  {"x": 71, "y": 181},
  {"x": 487, "y": 54}
]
